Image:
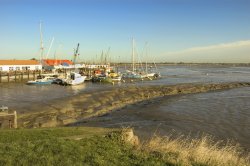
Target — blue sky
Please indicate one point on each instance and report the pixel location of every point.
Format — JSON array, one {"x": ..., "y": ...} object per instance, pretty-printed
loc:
[{"x": 176, "y": 30}]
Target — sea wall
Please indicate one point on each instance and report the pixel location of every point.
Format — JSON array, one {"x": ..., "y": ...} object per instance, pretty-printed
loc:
[{"x": 80, "y": 107}]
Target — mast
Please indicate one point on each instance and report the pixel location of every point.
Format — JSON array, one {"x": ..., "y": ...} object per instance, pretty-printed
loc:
[
  {"x": 146, "y": 58},
  {"x": 133, "y": 55},
  {"x": 41, "y": 43},
  {"x": 51, "y": 43}
]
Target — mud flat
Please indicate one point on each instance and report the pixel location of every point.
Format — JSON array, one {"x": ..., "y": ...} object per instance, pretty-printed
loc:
[{"x": 80, "y": 107}]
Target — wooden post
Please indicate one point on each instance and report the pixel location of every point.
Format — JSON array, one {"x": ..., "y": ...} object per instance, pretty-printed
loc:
[
  {"x": 15, "y": 120},
  {"x": 0, "y": 76},
  {"x": 15, "y": 75},
  {"x": 34, "y": 74},
  {"x": 22, "y": 76},
  {"x": 8, "y": 76},
  {"x": 28, "y": 74}
]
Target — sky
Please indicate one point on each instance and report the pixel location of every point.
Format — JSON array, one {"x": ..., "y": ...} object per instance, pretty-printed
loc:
[{"x": 206, "y": 31}]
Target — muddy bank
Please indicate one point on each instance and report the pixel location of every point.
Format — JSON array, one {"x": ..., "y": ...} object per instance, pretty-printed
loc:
[{"x": 96, "y": 103}]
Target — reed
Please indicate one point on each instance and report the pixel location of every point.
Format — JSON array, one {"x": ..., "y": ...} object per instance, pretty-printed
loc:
[{"x": 202, "y": 151}]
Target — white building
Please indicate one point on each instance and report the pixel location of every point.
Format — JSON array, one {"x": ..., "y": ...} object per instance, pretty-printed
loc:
[{"x": 19, "y": 65}]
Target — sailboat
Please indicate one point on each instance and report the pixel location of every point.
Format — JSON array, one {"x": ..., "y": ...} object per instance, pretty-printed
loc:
[
  {"x": 41, "y": 79},
  {"x": 149, "y": 74},
  {"x": 132, "y": 74}
]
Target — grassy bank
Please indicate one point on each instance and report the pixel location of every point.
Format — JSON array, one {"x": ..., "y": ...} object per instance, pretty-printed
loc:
[
  {"x": 69, "y": 146},
  {"x": 98, "y": 146}
]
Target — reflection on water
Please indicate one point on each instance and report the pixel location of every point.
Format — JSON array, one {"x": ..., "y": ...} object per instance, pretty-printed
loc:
[
  {"x": 77, "y": 89},
  {"x": 20, "y": 97}
]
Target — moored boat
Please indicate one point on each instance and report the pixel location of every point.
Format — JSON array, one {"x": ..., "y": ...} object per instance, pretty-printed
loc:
[
  {"x": 74, "y": 79},
  {"x": 131, "y": 75},
  {"x": 42, "y": 81}
]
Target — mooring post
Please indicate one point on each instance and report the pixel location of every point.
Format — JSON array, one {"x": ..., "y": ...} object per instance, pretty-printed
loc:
[
  {"x": 8, "y": 76},
  {"x": 34, "y": 74},
  {"x": 15, "y": 120},
  {"x": 28, "y": 74},
  {"x": 22, "y": 76},
  {"x": 15, "y": 75}
]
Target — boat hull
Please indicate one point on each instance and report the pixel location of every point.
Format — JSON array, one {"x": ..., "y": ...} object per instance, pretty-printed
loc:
[
  {"x": 74, "y": 79},
  {"x": 39, "y": 82}
]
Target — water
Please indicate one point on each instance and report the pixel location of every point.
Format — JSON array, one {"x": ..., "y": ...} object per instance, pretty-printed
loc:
[
  {"x": 223, "y": 114},
  {"x": 21, "y": 97}
]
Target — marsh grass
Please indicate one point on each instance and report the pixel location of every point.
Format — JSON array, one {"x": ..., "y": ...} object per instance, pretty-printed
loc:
[{"x": 198, "y": 152}]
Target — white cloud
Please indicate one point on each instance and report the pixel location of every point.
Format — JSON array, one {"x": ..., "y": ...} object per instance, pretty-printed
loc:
[
  {"x": 222, "y": 46},
  {"x": 235, "y": 52}
]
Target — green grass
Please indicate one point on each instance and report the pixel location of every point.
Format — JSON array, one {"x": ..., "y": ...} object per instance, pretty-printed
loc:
[
  {"x": 100, "y": 146},
  {"x": 63, "y": 146}
]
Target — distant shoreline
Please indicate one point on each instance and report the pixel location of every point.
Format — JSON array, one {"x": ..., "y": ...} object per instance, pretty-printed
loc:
[{"x": 191, "y": 64}]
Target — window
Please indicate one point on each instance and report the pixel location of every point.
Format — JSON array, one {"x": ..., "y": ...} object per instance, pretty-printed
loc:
[
  {"x": 17, "y": 68},
  {"x": 11, "y": 68},
  {"x": 23, "y": 68},
  {"x": 37, "y": 67},
  {"x": 1, "y": 68}
]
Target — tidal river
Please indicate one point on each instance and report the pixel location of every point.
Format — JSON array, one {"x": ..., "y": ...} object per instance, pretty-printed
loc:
[{"x": 224, "y": 114}]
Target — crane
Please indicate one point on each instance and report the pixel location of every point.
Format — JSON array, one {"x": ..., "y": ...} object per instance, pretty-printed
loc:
[{"x": 76, "y": 53}]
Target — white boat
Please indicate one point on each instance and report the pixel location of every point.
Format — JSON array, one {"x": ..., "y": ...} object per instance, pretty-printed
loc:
[
  {"x": 148, "y": 75},
  {"x": 3, "y": 108},
  {"x": 74, "y": 79},
  {"x": 42, "y": 81}
]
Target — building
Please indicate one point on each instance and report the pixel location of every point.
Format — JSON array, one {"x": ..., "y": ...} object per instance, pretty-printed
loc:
[
  {"x": 55, "y": 62},
  {"x": 60, "y": 64},
  {"x": 19, "y": 65}
]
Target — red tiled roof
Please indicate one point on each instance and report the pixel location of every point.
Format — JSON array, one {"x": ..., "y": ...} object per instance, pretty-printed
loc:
[
  {"x": 19, "y": 62},
  {"x": 52, "y": 62}
]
